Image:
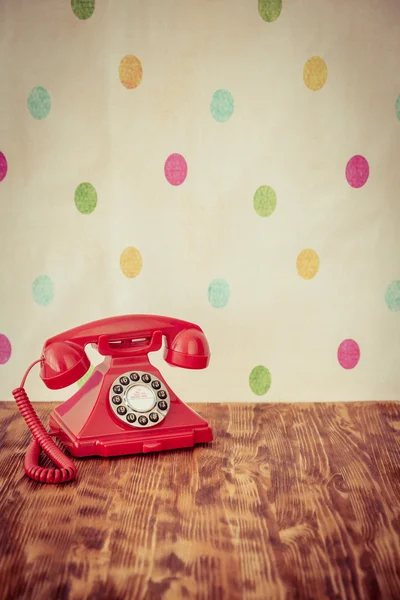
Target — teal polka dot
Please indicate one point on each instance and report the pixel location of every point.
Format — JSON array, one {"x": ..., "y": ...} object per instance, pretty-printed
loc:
[
  {"x": 260, "y": 380},
  {"x": 222, "y": 106},
  {"x": 43, "y": 290},
  {"x": 39, "y": 102},
  {"x": 86, "y": 376},
  {"x": 83, "y": 9},
  {"x": 392, "y": 296},
  {"x": 397, "y": 107},
  {"x": 85, "y": 198},
  {"x": 218, "y": 293}
]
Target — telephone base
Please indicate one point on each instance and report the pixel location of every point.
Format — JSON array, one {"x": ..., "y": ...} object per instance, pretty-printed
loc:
[{"x": 135, "y": 442}]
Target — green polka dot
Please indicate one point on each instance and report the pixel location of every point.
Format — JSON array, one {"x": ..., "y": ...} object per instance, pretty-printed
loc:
[
  {"x": 83, "y": 9},
  {"x": 264, "y": 201},
  {"x": 392, "y": 296},
  {"x": 222, "y": 106},
  {"x": 39, "y": 102},
  {"x": 260, "y": 380},
  {"x": 43, "y": 290},
  {"x": 397, "y": 106},
  {"x": 86, "y": 376},
  {"x": 269, "y": 9},
  {"x": 85, "y": 198},
  {"x": 218, "y": 293}
]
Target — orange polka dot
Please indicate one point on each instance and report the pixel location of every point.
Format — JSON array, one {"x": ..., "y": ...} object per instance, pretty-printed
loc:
[
  {"x": 307, "y": 264},
  {"x": 130, "y": 72},
  {"x": 315, "y": 73},
  {"x": 131, "y": 262}
]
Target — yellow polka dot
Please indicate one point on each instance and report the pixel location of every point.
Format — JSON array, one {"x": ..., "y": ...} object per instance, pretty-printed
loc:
[
  {"x": 130, "y": 72},
  {"x": 131, "y": 262},
  {"x": 315, "y": 73},
  {"x": 307, "y": 264}
]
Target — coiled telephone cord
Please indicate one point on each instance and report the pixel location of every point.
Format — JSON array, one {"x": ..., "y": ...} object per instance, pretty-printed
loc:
[{"x": 66, "y": 470}]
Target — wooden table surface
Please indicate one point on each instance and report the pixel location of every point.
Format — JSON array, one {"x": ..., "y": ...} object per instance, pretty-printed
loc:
[{"x": 289, "y": 502}]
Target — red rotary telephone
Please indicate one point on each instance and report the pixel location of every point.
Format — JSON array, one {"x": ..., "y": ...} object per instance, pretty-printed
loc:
[{"x": 125, "y": 407}]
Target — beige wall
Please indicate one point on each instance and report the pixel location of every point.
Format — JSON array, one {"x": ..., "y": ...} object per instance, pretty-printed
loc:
[{"x": 281, "y": 134}]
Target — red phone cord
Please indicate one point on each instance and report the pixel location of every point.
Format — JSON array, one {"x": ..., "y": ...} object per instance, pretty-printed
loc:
[{"x": 66, "y": 470}]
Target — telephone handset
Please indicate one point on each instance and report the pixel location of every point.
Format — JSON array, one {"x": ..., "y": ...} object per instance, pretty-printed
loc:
[{"x": 125, "y": 407}]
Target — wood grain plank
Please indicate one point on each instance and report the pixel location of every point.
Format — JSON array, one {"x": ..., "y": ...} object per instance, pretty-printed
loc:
[
  {"x": 289, "y": 502},
  {"x": 381, "y": 554}
]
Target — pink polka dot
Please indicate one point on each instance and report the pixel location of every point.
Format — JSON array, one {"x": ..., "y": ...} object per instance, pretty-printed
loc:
[
  {"x": 175, "y": 169},
  {"x": 5, "y": 349},
  {"x": 357, "y": 171},
  {"x": 3, "y": 166},
  {"x": 348, "y": 354}
]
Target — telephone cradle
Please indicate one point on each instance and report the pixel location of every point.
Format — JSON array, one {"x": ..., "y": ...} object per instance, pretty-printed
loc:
[{"x": 126, "y": 406}]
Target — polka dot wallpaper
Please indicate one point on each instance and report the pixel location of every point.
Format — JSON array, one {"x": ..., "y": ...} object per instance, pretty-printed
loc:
[{"x": 232, "y": 163}]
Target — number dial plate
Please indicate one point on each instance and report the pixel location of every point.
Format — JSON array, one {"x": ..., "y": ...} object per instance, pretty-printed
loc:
[{"x": 144, "y": 397}]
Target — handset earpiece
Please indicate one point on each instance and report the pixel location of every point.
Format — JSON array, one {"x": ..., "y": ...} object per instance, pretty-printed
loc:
[
  {"x": 188, "y": 349},
  {"x": 63, "y": 364}
]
